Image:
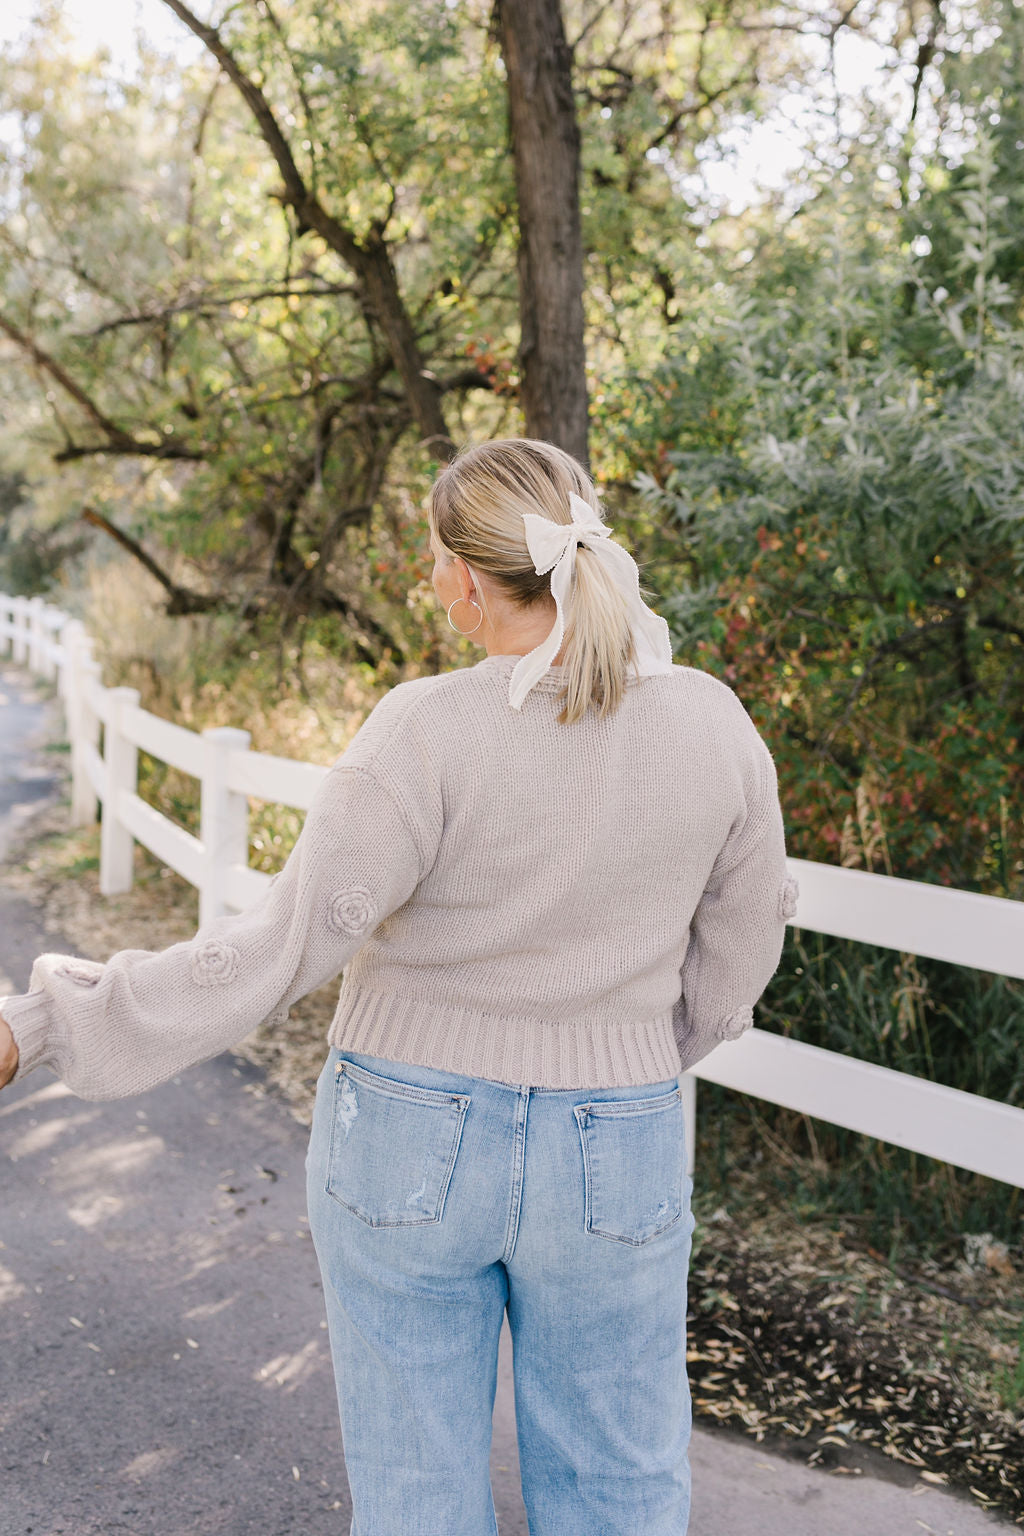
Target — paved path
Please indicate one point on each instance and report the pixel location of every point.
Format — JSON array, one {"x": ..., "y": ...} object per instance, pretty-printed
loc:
[{"x": 164, "y": 1368}]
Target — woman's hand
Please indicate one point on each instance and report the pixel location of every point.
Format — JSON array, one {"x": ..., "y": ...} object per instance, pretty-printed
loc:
[{"x": 8, "y": 1053}]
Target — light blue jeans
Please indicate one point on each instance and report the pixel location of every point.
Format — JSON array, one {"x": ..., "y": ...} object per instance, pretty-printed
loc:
[{"x": 438, "y": 1201}]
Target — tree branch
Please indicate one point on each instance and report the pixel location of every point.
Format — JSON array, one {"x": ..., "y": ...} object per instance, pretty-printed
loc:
[
  {"x": 991, "y": 621},
  {"x": 369, "y": 260},
  {"x": 210, "y": 304},
  {"x": 50, "y": 365},
  {"x": 180, "y": 599},
  {"x": 906, "y": 640},
  {"x": 118, "y": 440},
  {"x": 130, "y": 448}
]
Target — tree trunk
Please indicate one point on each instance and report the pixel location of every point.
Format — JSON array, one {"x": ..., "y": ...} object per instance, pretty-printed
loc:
[{"x": 546, "y": 152}]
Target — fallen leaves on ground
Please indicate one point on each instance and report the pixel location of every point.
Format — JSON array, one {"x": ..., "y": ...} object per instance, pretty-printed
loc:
[{"x": 797, "y": 1330}]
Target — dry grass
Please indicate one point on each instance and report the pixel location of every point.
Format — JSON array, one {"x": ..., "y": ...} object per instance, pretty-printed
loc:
[{"x": 193, "y": 671}]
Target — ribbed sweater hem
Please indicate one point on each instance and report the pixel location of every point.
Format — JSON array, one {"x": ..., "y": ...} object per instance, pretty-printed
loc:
[{"x": 505, "y": 1048}]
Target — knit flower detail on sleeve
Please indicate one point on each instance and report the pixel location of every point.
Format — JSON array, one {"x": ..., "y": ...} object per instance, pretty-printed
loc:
[
  {"x": 351, "y": 912},
  {"x": 214, "y": 964},
  {"x": 788, "y": 893},
  {"x": 736, "y": 1024},
  {"x": 84, "y": 973}
]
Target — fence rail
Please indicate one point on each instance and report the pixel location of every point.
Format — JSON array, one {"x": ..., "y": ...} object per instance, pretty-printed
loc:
[{"x": 107, "y": 729}]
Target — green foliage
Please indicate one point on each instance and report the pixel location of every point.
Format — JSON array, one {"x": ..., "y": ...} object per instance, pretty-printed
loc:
[
  {"x": 984, "y": 87},
  {"x": 1010, "y": 1380},
  {"x": 32, "y": 553},
  {"x": 847, "y": 504},
  {"x": 149, "y": 253},
  {"x": 831, "y": 452},
  {"x": 898, "y": 1202}
]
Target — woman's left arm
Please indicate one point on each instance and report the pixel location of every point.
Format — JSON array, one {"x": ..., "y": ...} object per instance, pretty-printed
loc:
[
  {"x": 738, "y": 929},
  {"x": 115, "y": 1029}
]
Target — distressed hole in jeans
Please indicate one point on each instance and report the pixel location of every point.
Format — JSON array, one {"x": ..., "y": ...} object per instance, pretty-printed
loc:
[
  {"x": 418, "y": 1195},
  {"x": 347, "y": 1105}
]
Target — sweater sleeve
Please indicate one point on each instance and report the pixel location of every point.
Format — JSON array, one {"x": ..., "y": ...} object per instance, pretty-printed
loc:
[
  {"x": 115, "y": 1029},
  {"x": 738, "y": 928}
]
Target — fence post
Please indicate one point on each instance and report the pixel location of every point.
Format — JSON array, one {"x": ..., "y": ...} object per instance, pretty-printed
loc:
[
  {"x": 45, "y": 662},
  {"x": 223, "y": 819},
  {"x": 53, "y": 619},
  {"x": 121, "y": 759},
  {"x": 67, "y": 637},
  {"x": 36, "y": 633},
  {"x": 688, "y": 1083},
  {"x": 19, "y": 639},
  {"x": 30, "y": 633},
  {"x": 6, "y": 618},
  {"x": 86, "y": 729}
]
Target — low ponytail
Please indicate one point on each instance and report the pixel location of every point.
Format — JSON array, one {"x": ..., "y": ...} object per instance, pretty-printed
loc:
[
  {"x": 598, "y": 643},
  {"x": 476, "y": 511}
]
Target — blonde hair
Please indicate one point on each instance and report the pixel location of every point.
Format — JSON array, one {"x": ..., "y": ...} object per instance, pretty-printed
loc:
[{"x": 476, "y": 511}]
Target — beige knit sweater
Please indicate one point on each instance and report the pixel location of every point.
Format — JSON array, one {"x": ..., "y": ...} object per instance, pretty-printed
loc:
[{"x": 564, "y": 906}]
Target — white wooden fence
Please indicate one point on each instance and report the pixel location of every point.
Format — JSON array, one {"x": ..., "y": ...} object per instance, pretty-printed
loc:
[{"x": 963, "y": 927}]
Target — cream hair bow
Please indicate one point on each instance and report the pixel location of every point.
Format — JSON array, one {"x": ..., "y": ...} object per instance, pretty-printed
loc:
[{"x": 553, "y": 548}]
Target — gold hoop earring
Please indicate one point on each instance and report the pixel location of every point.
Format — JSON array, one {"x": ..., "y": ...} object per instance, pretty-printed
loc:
[{"x": 476, "y": 626}]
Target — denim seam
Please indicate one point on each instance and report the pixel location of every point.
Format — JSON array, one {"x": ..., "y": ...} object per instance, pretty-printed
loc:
[{"x": 518, "y": 1166}]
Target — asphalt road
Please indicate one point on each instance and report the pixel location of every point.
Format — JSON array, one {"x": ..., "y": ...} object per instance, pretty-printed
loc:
[{"x": 164, "y": 1368}]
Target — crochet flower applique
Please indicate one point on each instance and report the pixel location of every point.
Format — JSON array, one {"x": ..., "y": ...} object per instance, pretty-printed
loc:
[
  {"x": 351, "y": 912},
  {"x": 736, "y": 1024},
  {"x": 788, "y": 893},
  {"x": 214, "y": 964},
  {"x": 84, "y": 973}
]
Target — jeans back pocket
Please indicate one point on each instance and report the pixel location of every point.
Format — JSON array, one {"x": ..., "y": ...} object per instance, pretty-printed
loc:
[
  {"x": 634, "y": 1166},
  {"x": 393, "y": 1147}
]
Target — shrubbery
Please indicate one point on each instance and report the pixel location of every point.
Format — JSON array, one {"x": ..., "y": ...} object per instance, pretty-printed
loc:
[{"x": 838, "y": 461}]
